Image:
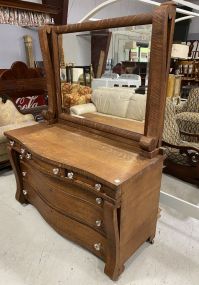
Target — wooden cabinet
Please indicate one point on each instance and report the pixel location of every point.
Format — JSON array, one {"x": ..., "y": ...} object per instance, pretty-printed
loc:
[{"x": 96, "y": 184}]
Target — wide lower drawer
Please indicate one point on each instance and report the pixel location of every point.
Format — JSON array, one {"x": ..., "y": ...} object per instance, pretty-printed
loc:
[
  {"x": 69, "y": 228},
  {"x": 66, "y": 198}
]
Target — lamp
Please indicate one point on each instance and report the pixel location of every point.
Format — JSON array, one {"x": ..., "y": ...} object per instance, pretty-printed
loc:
[
  {"x": 130, "y": 45},
  {"x": 180, "y": 51}
]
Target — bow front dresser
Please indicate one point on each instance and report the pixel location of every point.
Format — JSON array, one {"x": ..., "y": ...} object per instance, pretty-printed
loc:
[{"x": 96, "y": 184}]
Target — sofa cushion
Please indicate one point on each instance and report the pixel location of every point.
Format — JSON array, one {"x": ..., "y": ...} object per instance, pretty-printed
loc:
[
  {"x": 137, "y": 107},
  {"x": 82, "y": 109},
  {"x": 193, "y": 101},
  {"x": 10, "y": 115},
  {"x": 188, "y": 122},
  {"x": 112, "y": 101}
]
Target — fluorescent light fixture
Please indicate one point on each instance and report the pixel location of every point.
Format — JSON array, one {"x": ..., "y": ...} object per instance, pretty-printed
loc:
[{"x": 94, "y": 19}]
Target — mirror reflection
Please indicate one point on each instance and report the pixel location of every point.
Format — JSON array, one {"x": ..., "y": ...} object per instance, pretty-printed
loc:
[{"x": 104, "y": 75}]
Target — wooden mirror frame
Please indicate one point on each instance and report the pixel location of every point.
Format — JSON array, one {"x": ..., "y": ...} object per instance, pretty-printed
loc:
[{"x": 163, "y": 22}]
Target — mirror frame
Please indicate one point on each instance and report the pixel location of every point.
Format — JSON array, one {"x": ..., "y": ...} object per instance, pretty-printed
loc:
[{"x": 163, "y": 21}]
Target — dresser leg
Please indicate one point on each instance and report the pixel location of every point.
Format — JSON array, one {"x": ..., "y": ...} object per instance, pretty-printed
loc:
[
  {"x": 112, "y": 268},
  {"x": 14, "y": 160},
  {"x": 113, "y": 273},
  {"x": 151, "y": 239}
]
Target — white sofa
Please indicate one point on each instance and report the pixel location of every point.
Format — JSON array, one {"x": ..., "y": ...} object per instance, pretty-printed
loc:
[{"x": 114, "y": 102}]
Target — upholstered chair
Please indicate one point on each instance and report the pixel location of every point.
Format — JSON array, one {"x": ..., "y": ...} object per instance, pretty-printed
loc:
[
  {"x": 187, "y": 116},
  {"x": 10, "y": 118},
  {"x": 182, "y": 157}
]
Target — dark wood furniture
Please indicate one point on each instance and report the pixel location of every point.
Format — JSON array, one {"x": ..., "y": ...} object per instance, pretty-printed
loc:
[
  {"x": 29, "y": 6},
  {"x": 139, "y": 68},
  {"x": 96, "y": 184},
  {"x": 58, "y": 9},
  {"x": 20, "y": 82},
  {"x": 62, "y": 7},
  {"x": 86, "y": 74}
]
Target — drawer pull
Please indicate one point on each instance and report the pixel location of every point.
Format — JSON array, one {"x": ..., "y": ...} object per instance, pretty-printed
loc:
[
  {"x": 22, "y": 150},
  {"x": 25, "y": 192},
  {"x": 98, "y": 201},
  {"x": 98, "y": 186},
  {"x": 98, "y": 223},
  {"x": 12, "y": 143},
  {"x": 55, "y": 171},
  {"x": 97, "y": 246},
  {"x": 24, "y": 173},
  {"x": 20, "y": 156},
  {"x": 70, "y": 175},
  {"x": 28, "y": 156}
]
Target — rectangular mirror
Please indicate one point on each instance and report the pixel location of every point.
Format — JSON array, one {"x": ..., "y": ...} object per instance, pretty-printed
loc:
[
  {"x": 110, "y": 75},
  {"x": 104, "y": 76}
]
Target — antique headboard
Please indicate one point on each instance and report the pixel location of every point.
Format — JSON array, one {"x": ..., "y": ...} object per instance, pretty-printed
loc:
[{"x": 25, "y": 87}]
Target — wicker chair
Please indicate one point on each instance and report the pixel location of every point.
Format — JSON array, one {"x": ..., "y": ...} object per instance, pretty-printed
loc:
[
  {"x": 187, "y": 116},
  {"x": 182, "y": 157}
]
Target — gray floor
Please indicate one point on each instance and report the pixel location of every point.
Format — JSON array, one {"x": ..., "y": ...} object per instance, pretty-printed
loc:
[{"x": 31, "y": 253}]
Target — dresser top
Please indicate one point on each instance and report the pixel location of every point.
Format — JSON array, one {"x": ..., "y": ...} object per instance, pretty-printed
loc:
[{"x": 78, "y": 150}]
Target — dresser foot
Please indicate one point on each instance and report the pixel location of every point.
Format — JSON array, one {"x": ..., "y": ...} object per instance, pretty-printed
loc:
[
  {"x": 113, "y": 273},
  {"x": 151, "y": 239}
]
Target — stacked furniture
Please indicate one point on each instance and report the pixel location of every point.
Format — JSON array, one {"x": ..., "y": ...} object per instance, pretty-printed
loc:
[
  {"x": 18, "y": 82},
  {"x": 97, "y": 184}
]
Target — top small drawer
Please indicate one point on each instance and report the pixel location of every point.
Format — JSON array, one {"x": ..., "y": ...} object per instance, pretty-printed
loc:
[
  {"x": 65, "y": 174},
  {"x": 82, "y": 180}
]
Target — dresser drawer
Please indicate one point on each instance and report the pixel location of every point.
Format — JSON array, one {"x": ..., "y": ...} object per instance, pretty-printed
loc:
[
  {"x": 66, "y": 198},
  {"x": 68, "y": 175},
  {"x": 68, "y": 227}
]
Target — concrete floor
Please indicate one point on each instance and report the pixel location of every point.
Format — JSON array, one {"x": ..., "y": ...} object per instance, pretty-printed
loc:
[{"x": 32, "y": 253}]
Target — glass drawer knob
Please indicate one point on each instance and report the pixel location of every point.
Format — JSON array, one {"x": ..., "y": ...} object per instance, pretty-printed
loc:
[
  {"x": 25, "y": 192},
  {"x": 97, "y": 246},
  {"x": 70, "y": 175},
  {"x": 98, "y": 223},
  {"x": 24, "y": 173},
  {"x": 99, "y": 201},
  {"x": 20, "y": 156},
  {"x": 22, "y": 150},
  {"x": 55, "y": 171},
  {"x": 28, "y": 156},
  {"x": 98, "y": 186},
  {"x": 12, "y": 143}
]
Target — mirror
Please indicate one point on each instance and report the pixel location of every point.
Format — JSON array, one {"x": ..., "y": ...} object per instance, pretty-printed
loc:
[{"x": 104, "y": 75}]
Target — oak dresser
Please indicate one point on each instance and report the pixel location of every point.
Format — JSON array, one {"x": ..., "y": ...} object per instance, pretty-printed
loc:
[{"x": 96, "y": 184}]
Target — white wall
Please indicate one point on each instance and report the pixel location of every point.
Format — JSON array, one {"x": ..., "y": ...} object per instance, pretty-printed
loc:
[
  {"x": 79, "y": 49},
  {"x": 12, "y": 44},
  {"x": 78, "y": 9}
]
